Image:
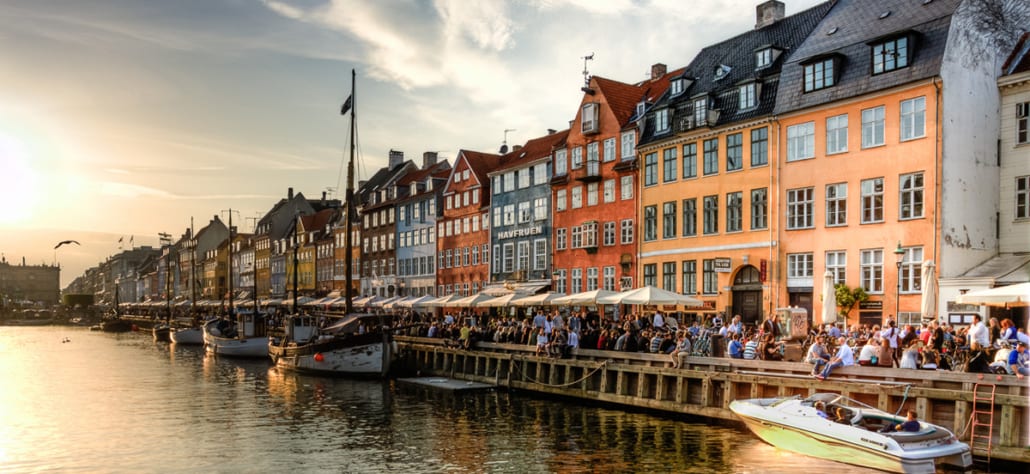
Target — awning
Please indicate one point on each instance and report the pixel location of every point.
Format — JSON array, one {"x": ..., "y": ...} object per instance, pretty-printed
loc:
[
  {"x": 1004, "y": 269},
  {"x": 541, "y": 299},
  {"x": 523, "y": 288},
  {"x": 476, "y": 300}
]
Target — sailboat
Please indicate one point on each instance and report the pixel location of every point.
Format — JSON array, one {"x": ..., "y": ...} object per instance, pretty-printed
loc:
[
  {"x": 358, "y": 344},
  {"x": 242, "y": 334},
  {"x": 190, "y": 334}
]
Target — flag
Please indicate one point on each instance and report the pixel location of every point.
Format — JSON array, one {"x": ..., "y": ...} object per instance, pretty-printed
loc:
[
  {"x": 131, "y": 238},
  {"x": 346, "y": 106},
  {"x": 120, "y": 239}
]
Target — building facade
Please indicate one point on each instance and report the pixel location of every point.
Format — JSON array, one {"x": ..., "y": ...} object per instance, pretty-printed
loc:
[
  {"x": 418, "y": 208},
  {"x": 463, "y": 230}
]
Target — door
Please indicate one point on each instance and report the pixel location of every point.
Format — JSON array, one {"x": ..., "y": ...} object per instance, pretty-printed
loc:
[{"x": 747, "y": 295}]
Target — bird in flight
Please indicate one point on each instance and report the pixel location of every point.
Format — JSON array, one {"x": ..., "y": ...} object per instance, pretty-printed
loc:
[{"x": 69, "y": 242}]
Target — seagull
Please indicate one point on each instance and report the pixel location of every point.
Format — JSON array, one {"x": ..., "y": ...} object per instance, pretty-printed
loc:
[{"x": 69, "y": 242}]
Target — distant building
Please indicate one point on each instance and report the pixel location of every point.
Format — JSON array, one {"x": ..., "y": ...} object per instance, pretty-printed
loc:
[{"x": 35, "y": 283}]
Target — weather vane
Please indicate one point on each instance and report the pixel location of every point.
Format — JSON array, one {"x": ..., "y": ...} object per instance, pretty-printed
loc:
[{"x": 586, "y": 72}]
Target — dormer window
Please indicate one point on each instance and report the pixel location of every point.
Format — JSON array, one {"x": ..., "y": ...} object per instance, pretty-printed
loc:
[
  {"x": 748, "y": 96},
  {"x": 465, "y": 174},
  {"x": 700, "y": 111},
  {"x": 676, "y": 88},
  {"x": 661, "y": 121},
  {"x": 588, "y": 118},
  {"x": 641, "y": 108},
  {"x": 414, "y": 189},
  {"x": 722, "y": 71},
  {"x": 820, "y": 73},
  {"x": 763, "y": 58},
  {"x": 457, "y": 177},
  {"x": 890, "y": 54}
]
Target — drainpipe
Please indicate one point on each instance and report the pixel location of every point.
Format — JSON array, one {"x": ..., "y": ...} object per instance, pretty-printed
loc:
[
  {"x": 774, "y": 197},
  {"x": 937, "y": 159}
]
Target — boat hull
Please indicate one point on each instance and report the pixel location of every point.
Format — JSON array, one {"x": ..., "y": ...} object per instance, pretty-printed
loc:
[
  {"x": 251, "y": 347},
  {"x": 162, "y": 333},
  {"x": 190, "y": 336},
  {"x": 834, "y": 442},
  {"x": 360, "y": 356}
]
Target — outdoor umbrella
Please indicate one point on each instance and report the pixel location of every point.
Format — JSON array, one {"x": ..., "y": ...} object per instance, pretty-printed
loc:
[
  {"x": 420, "y": 301},
  {"x": 1012, "y": 295},
  {"x": 499, "y": 301},
  {"x": 471, "y": 301},
  {"x": 929, "y": 302},
  {"x": 585, "y": 298},
  {"x": 442, "y": 301},
  {"x": 829, "y": 299},
  {"x": 650, "y": 295},
  {"x": 542, "y": 299}
]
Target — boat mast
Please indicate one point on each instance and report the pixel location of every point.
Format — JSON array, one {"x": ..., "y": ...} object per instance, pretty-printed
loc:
[
  {"x": 229, "y": 265},
  {"x": 348, "y": 257},
  {"x": 296, "y": 243},
  {"x": 193, "y": 270}
]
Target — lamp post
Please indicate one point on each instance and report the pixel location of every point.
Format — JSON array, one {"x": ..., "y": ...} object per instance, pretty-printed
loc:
[{"x": 899, "y": 254}]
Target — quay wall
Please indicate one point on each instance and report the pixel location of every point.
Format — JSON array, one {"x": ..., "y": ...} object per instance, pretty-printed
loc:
[{"x": 705, "y": 386}]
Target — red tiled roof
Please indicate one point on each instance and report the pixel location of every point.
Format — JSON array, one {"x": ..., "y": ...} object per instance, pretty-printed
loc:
[
  {"x": 654, "y": 89},
  {"x": 622, "y": 98},
  {"x": 534, "y": 149},
  {"x": 480, "y": 163},
  {"x": 317, "y": 220}
]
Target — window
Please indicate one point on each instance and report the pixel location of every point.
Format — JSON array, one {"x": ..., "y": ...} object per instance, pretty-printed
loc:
[
  {"x": 661, "y": 121},
  {"x": 710, "y": 279},
  {"x": 539, "y": 209},
  {"x": 539, "y": 254},
  {"x": 509, "y": 181},
  {"x": 819, "y": 75},
  {"x": 759, "y": 208},
  {"x": 497, "y": 220},
  {"x": 911, "y": 199},
  {"x": 799, "y": 265},
  {"x": 711, "y": 148},
  {"x": 523, "y": 262},
  {"x": 872, "y": 200},
  {"x": 560, "y": 162},
  {"x": 763, "y": 58},
  {"x": 627, "y": 231},
  {"x": 837, "y": 265},
  {"x": 676, "y": 88},
  {"x": 669, "y": 165},
  {"x": 609, "y": 233},
  {"x": 465, "y": 174},
  {"x": 589, "y": 234},
  {"x": 591, "y": 279},
  {"x": 872, "y": 270},
  {"x": 577, "y": 237},
  {"x": 650, "y": 274},
  {"x": 747, "y": 93},
  {"x": 912, "y": 271},
  {"x": 711, "y": 218},
  {"x": 475, "y": 256},
  {"x": 872, "y": 127},
  {"x": 609, "y": 150},
  {"x": 689, "y": 269},
  {"x": 650, "y": 223},
  {"x": 626, "y": 187},
  {"x": 734, "y": 151},
  {"x": 466, "y": 256},
  {"x": 734, "y": 212},
  {"x": 509, "y": 214},
  {"x": 799, "y": 208},
  {"x": 690, "y": 217},
  {"x": 760, "y": 146},
  {"x": 700, "y": 111},
  {"x": 525, "y": 212},
  {"x": 524, "y": 177},
  {"x": 577, "y": 158},
  {"x": 561, "y": 234},
  {"x": 609, "y": 190},
  {"x": 837, "y": 134},
  {"x": 592, "y": 158},
  {"x": 591, "y": 194},
  {"x": 559, "y": 200},
  {"x": 669, "y": 220},
  {"x": 486, "y": 256},
  {"x": 1023, "y": 123},
  {"x": 497, "y": 185},
  {"x": 559, "y": 281},
  {"x": 690, "y": 160},
  {"x": 651, "y": 169},
  {"x": 540, "y": 174},
  {"x": 913, "y": 118},
  {"x": 577, "y": 197},
  {"x": 1022, "y": 197},
  {"x": 836, "y": 204},
  {"x": 669, "y": 276},
  {"x": 801, "y": 141},
  {"x": 609, "y": 279},
  {"x": 589, "y": 118},
  {"x": 890, "y": 55},
  {"x": 577, "y": 280},
  {"x": 629, "y": 145}
]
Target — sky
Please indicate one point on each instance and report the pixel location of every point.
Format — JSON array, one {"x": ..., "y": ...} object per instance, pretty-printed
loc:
[{"x": 123, "y": 119}]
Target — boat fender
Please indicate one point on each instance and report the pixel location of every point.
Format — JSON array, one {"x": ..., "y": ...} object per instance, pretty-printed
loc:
[{"x": 319, "y": 357}]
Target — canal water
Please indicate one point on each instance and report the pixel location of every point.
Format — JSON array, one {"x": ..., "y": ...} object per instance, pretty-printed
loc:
[{"x": 123, "y": 403}]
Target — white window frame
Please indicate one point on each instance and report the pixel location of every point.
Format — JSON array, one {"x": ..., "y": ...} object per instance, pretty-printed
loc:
[
  {"x": 609, "y": 190},
  {"x": 626, "y": 231},
  {"x": 540, "y": 254},
  {"x": 748, "y": 96},
  {"x": 837, "y": 265},
  {"x": 873, "y": 123},
  {"x": 626, "y": 187},
  {"x": 577, "y": 197},
  {"x": 911, "y": 274},
  {"x": 1022, "y": 198},
  {"x": 872, "y": 201},
  {"x": 800, "y": 208},
  {"x": 837, "y": 134},
  {"x": 910, "y": 199},
  {"x": 609, "y": 150},
  {"x": 801, "y": 141},
  {"x": 629, "y": 145},
  {"x": 836, "y": 204},
  {"x": 560, "y": 201},
  {"x": 560, "y": 162},
  {"x": 609, "y": 234},
  {"x": 913, "y": 118},
  {"x": 592, "y": 194},
  {"x": 561, "y": 238},
  {"x": 871, "y": 274}
]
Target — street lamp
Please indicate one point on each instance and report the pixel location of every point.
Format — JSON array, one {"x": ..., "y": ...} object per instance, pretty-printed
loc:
[{"x": 899, "y": 254}]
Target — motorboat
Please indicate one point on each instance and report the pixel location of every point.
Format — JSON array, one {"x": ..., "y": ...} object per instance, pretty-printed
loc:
[
  {"x": 356, "y": 345},
  {"x": 854, "y": 433},
  {"x": 244, "y": 337},
  {"x": 187, "y": 335},
  {"x": 162, "y": 333}
]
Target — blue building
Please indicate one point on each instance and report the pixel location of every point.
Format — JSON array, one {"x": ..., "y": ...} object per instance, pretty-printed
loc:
[{"x": 419, "y": 204}]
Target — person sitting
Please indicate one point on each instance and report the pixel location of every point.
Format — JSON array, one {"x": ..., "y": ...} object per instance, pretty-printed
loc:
[
  {"x": 770, "y": 349},
  {"x": 870, "y": 353},
  {"x": 929, "y": 360},
  {"x": 1001, "y": 359},
  {"x": 910, "y": 357},
  {"x": 842, "y": 416},
  {"x": 911, "y": 424},
  {"x": 1019, "y": 361},
  {"x": 682, "y": 351},
  {"x": 844, "y": 357},
  {"x": 817, "y": 355},
  {"x": 735, "y": 349},
  {"x": 751, "y": 349},
  {"x": 820, "y": 409}
]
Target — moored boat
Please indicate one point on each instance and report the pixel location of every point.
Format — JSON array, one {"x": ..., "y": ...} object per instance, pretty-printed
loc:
[
  {"x": 187, "y": 335},
  {"x": 354, "y": 346},
  {"x": 856, "y": 437},
  {"x": 162, "y": 333},
  {"x": 116, "y": 325},
  {"x": 245, "y": 337}
]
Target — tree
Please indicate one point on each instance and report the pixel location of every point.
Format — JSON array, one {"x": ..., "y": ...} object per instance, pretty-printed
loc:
[{"x": 848, "y": 298}]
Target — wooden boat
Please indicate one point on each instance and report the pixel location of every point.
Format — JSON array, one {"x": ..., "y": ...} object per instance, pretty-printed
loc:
[
  {"x": 357, "y": 345},
  {"x": 245, "y": 337}
]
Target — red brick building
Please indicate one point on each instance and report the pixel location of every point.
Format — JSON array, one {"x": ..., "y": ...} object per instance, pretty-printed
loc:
[{"x": 463, "y": 233}]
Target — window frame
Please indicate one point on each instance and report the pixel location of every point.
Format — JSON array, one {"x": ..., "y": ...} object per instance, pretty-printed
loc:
[
  {"x": 837, "y": 134},
  {"x": 836, "y": 205},
  {"x": 883, "y": 65},
  {"x": 759, "y": 208},
  {"x": 872, "y": 202},
  {"x": 801, "y": 208},
  {"x": 801, "y": 141},
  {"x": 874, "y": 124},
  {"x": 734, "y": 152},
  {"x": 911, "y": 188},
  {"x": 912, "y": 119}
]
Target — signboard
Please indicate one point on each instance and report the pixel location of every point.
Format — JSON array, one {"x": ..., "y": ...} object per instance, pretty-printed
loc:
[
  {"x": 523, "y": 232},
  {"x": 871, "y": 305},
  {"x": 708, "y": 305},
  {"x": 723, "y": 265},
  {"x": 763, "y": 267}
]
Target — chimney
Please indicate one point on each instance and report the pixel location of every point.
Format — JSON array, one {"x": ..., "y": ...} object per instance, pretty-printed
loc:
[
  {"x": 768, "y": 13},
  {"x": 289, "y": 193},
  {"x": 551, "y": 131},
  {"x": 428, "y": 159},
  {"x": 362, "y": 183},
  {"x": 323, "y": 196},
  {"x": 658, "y": 70},
  {"x": 396, "y": 158}
]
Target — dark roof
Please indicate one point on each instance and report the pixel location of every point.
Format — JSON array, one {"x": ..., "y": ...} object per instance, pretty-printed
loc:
[
  {"x": 422, "y": 174},
  {"x": 854, "y": 24},
  {"x": 533, "y": 150},
  {"x": 1019, "y": 60},
  {"x": 738, "y": 53}
]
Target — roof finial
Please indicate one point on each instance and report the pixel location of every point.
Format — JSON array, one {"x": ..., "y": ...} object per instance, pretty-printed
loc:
[{"x": 504, "y": 144}]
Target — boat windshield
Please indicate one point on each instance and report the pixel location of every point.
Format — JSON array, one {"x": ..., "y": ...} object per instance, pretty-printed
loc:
[
  {"x": 835, "y": 399},
  {"x": 785, "y": 400}
]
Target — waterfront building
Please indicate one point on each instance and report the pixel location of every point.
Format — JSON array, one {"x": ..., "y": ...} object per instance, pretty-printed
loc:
[
  {"x": 593, "y": 186},
  {"x": 708, "y": 172},
  {"x": 418, "y": 207},
  {"x": 377, "y": 208},
  {"x": 273, "y": 233},
  {"x": 463, "y": 230},
  {"x": 314, "y": 254},
  {"x": 243, "y": 267},
  {"x": 35, "y": 283},
  {"x": 340, "y": 254},
  {"x": 520, "y": 232},
  {"x": 887, "y": 144}
]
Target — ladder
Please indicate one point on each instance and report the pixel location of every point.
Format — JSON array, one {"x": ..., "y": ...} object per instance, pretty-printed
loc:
[{"x": 982, "y": 419}]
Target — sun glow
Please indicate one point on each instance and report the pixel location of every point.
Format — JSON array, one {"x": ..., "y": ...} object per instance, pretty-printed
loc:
[{"x": 18, "y": 180}]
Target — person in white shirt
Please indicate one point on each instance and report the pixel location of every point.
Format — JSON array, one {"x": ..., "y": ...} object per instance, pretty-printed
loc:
[
  {"x": 659, "y": 321},
  {"x": 844, "y": 357},
  {"x": 979, "y": 335},
  {"x": 891, "y": 334}
]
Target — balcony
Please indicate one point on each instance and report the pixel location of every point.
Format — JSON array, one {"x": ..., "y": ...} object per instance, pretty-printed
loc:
[{"x": 589, "y": 173}]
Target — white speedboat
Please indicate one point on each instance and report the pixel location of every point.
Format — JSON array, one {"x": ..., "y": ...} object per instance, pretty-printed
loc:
[
  {"x": 793, "y": 423},
  {"x": 246, "y": 337},
  {"x": 354, "y": 346},
  {"x": 189, "y": 335}
]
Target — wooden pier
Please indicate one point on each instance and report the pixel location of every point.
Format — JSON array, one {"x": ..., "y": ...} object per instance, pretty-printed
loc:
[{"x": 706, "y": 386}]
